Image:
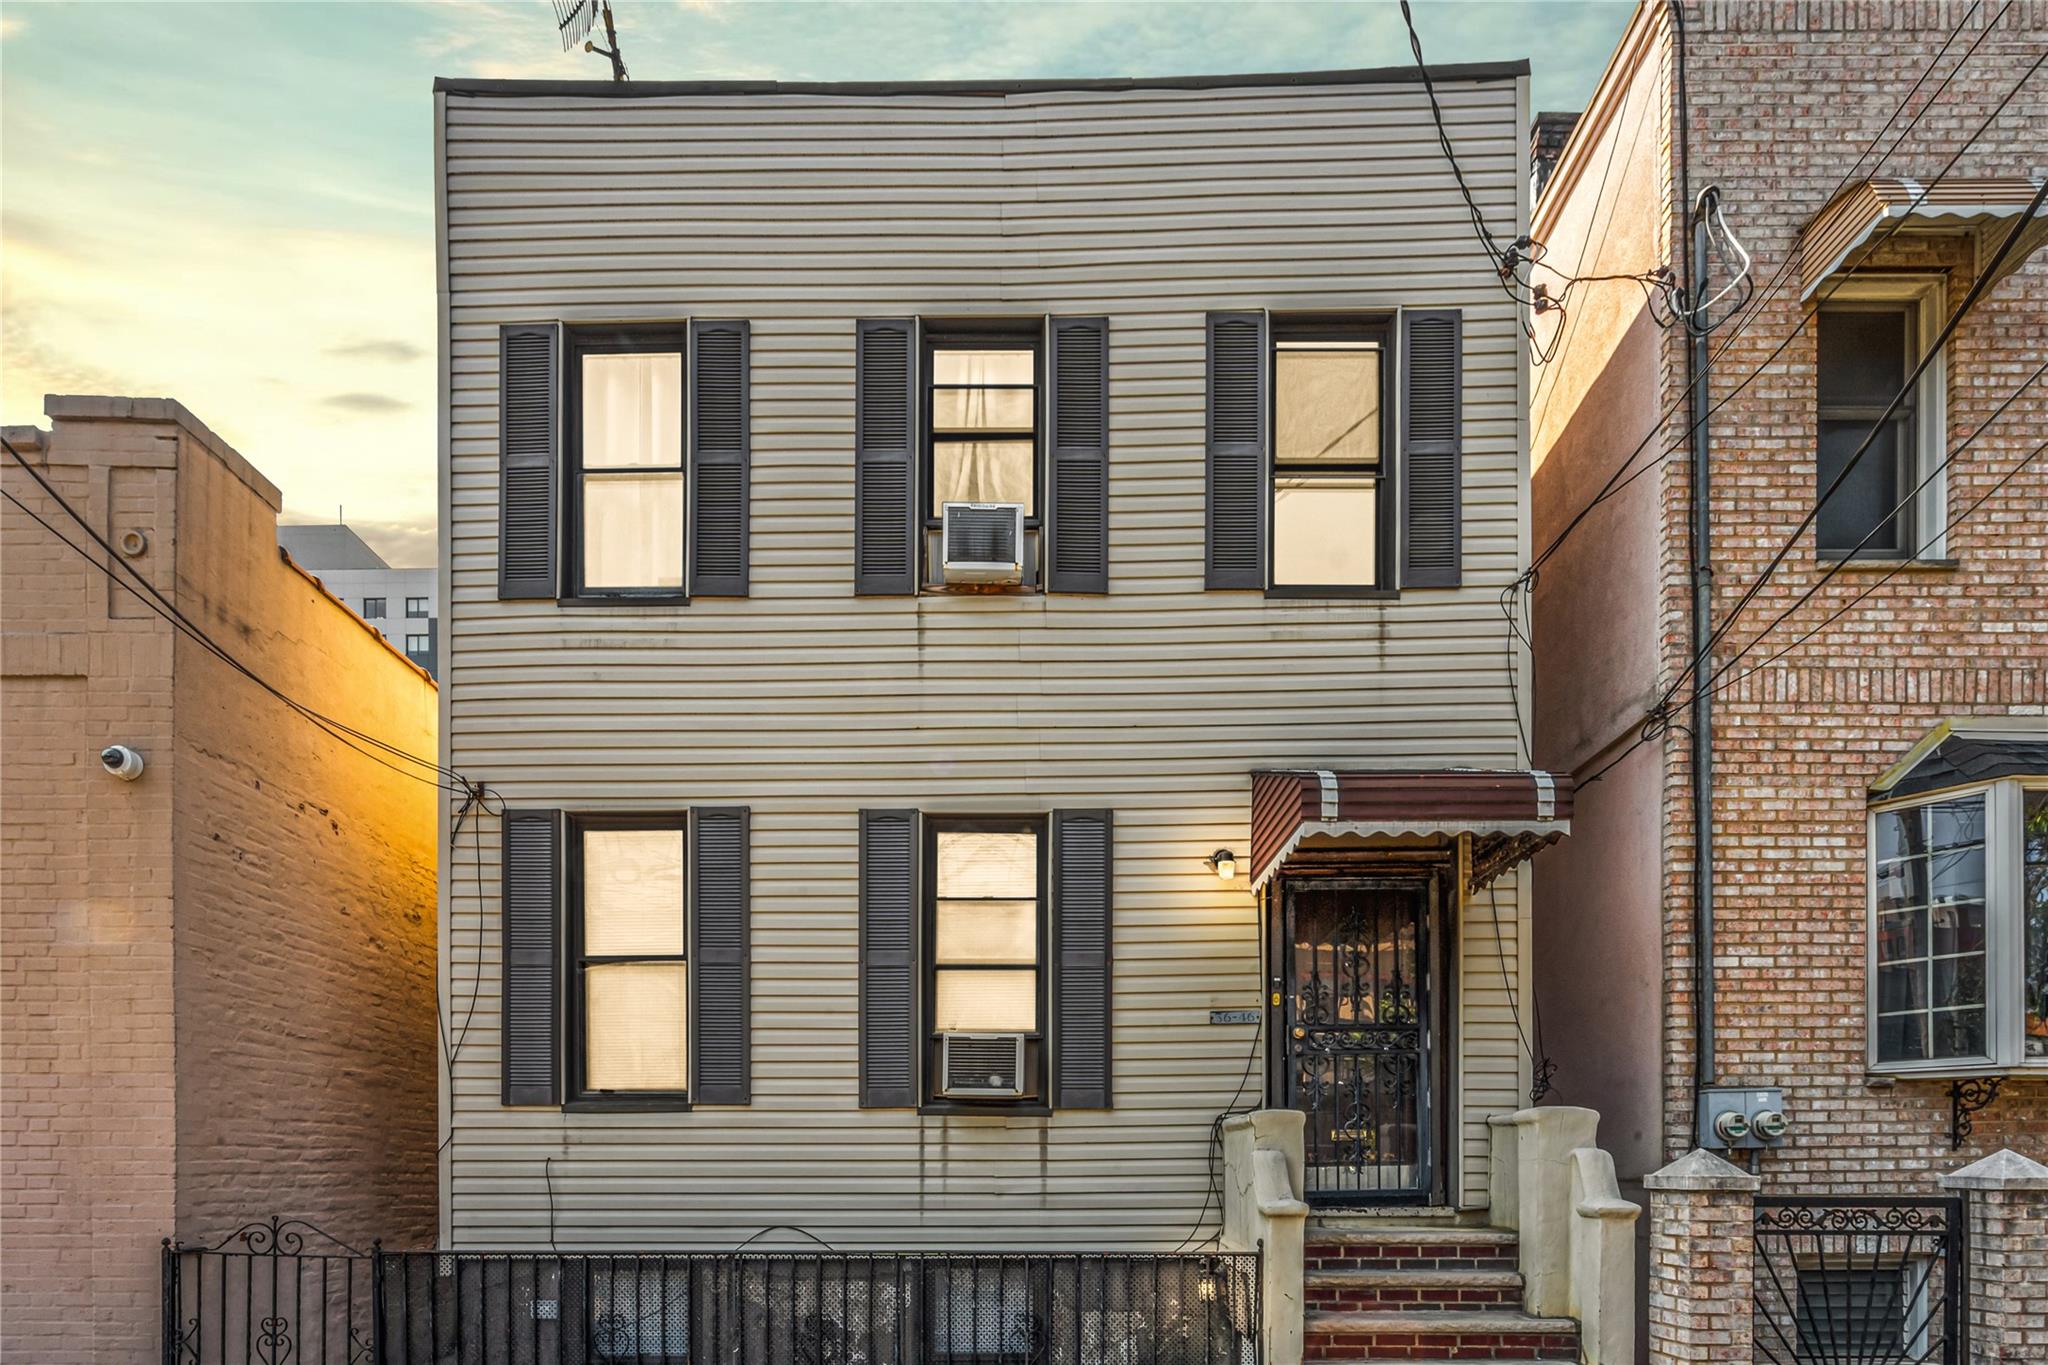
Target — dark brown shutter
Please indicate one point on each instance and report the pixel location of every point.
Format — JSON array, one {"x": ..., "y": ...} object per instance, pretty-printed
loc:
[
  {"x": 1236, "y": 546},
  {"x": 1083, "y": 918},
  {"x": 885, "y": 520},
  {"x": 720, "y": 432},
  {"x": 1432, "y": 447},
  {"x": 889, "y": 863},
  {"x": 529, "y": 445},
  {"x": 530, "y": 891},
  {"x": 720, "y": 1028},
  {"x": 1077, "y": 524}
]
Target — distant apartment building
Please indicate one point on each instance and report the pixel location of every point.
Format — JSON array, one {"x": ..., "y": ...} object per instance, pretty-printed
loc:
[
  {"x": 216, "y": 991},
  {"x": 398, "y": 602}
]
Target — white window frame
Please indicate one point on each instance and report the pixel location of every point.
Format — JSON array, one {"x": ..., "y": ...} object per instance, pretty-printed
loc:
[
  {"x": 1929, "y": 511},
  {"x": 2004, "y": 941}
]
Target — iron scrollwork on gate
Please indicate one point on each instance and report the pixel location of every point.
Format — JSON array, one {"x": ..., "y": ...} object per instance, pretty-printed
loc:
[
  {"x": 1880, "y": 1281},
  {"x": 280, "y": 1291},
  {"x": 1357, "y": 1036}
]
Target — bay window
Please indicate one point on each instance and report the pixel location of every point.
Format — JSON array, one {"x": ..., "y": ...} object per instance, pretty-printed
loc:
[{"x": 1959, "y": 929}]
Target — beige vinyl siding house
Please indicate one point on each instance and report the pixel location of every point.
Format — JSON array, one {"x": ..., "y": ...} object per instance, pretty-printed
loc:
[{"x": 803, "y": 211}]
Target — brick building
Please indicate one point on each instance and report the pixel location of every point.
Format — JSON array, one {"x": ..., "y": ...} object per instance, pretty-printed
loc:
[
  {"x": 218, "y": 976},
  {"x": 1885, "y": 1009}
]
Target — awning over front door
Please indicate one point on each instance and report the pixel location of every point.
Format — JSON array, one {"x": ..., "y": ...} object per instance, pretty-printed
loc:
[{"x": 1509, "y": 814}]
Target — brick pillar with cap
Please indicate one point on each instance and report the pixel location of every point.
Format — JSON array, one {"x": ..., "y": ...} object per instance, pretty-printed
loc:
[
  {"x": 1702, "y": 1256},
  {"x": 2007, "y": 1307}
]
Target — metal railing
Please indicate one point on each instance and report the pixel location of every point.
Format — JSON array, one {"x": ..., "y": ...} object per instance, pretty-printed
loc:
[
  {"x": 285, "y": 1293},
  {"x": 281, "y": 1292},
  {"x": 1879, "y": 1281}
]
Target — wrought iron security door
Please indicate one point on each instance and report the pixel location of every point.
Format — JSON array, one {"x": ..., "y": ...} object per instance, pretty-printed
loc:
[{"x": 1360, "y": 1041}]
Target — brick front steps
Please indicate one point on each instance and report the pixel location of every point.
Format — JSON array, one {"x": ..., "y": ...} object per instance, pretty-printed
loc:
[
  {"x": 1492, "y": 1336},
  {"x": 1381, "y": 1291},
  {"x": 1345, "y": 1288}
]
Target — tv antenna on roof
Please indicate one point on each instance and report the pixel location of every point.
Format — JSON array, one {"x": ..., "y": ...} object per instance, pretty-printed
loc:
[{"x": 575, "y": 18}]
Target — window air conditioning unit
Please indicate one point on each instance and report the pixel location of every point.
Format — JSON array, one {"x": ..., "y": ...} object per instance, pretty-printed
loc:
[
  {"x": 983, "y": 542},
  {"x": 981, "y": 1065}
]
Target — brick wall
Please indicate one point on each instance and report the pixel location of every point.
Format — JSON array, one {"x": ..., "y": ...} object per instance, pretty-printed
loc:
[
  {"x": 86, "y": 1037},
  {"x": 1783, "y": 98},
  {"x": 217, "y": 981}
]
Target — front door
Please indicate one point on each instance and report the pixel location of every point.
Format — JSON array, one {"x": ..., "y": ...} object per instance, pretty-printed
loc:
[{"x": 1359, "y": 1038}]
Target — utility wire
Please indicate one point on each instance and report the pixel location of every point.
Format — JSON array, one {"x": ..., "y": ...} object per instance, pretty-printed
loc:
[
  {"x": 1905, "y": 502},
  {"x": 1722, "y": 682},
  {"x": 1657, "y": 720},
  {"x": 1982, "y": 283},
  {"x": 1621, "y": 477},
  {"x": 444, "y": 778}
]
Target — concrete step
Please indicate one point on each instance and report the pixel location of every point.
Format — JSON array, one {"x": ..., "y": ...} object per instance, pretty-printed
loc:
[
  {"x": 1356, "y": 1289},
  {"x": 1462, "y": 1336}
]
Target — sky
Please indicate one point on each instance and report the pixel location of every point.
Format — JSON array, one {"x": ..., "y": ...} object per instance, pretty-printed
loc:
[{"x": 232, "y": 204}]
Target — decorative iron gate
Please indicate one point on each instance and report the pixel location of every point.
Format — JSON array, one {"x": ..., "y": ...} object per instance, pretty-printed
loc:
[
  {"x": 281, "y": 1292},
  {"x": 1878, "y": 1281},
  {"x": 1359, "y": 1038}
]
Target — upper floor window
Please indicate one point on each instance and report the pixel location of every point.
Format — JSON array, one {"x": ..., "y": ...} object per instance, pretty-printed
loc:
[
  {"x": 1868, "y": 340},
  {"x": 629, "y": 977},
  {"x": 416, "y": 608},
  {"x": 1959, "y": 929},
  {"x": 1331, "y": 517},
  {"x": 626, "y": 485},
  {"x": 373, "y": 608},
  {"x": 983, "y": 425},
  {"x": 417, "y": 644}
]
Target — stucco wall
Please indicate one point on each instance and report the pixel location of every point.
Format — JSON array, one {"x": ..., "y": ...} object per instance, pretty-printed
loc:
[{"x": 1596, "y": 940}]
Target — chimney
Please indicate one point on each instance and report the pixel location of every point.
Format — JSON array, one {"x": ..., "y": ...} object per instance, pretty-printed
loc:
[{"x": 1547, "y": 136}]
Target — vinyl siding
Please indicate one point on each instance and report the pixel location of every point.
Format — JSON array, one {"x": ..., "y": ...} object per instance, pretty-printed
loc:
[{"x": 802, "y": 213}]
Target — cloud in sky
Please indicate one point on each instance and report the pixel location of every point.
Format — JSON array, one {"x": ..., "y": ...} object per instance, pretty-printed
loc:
[
  {"x": 232, "y": 204},
  {"x": 393, "y": 349}
]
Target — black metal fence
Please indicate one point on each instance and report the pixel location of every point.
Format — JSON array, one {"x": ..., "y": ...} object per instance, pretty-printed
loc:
[
  {"x": 1870, "y": 1281},
  {"x": 277, "y": 1293},
  {"x": 266, "y": 1297}
]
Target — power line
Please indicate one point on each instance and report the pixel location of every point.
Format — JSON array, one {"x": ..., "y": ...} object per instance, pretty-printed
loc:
[
  {"x": 447, "y": 779},
  {"x": 1616, "y": 481},
  {"x": 1657, "y": 720},
  {"x": 1721, "y": 681},
  {"x": 1878, "y": 523},
  {"x": 1982, "y": 283}
]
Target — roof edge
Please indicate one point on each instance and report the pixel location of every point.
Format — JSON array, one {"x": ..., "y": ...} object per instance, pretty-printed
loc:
[{"x": 1377, "y": 75}]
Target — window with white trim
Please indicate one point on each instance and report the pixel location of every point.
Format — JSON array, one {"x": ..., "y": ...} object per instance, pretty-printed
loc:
[
  {"x": 1959, "y": 929},
  {"x": 1868, "y": 338}
]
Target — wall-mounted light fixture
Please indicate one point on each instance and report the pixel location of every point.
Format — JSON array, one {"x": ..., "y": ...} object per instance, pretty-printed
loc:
[
  {"x": 1223, "y": 863},
  {"x": 1205, "y": 1285}
]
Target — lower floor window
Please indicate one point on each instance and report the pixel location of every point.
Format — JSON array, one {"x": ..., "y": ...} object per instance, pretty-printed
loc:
[
  {"x": 987, "y": 935},
  {"x": 1959, "y": 928},
  {"x": 631, "y": 979},
  {"x": 1872, "y": 1314}
]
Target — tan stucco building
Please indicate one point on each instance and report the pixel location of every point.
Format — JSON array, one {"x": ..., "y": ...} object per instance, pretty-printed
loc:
[{"x": 217, "y": 974}]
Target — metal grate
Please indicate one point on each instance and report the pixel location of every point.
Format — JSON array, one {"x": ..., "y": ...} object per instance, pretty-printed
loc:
[{"x": 1869, "y": 1281}]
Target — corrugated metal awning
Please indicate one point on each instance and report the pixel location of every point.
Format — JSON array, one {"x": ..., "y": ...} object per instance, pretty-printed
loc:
[
  {"x": 1510, "y": 814},
  {"x": 1855, "y": 216}
]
